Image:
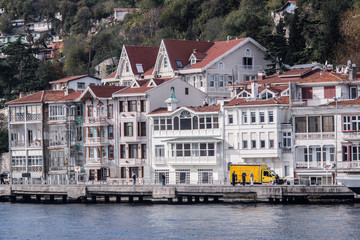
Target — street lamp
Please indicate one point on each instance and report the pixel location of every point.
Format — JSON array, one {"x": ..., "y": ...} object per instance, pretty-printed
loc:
[
  {"x": 68, "y": 108},
  {"x": 336, "y": 143}
]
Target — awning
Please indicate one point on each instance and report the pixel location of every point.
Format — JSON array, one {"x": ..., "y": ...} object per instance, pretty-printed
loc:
[{"x": 193, "y": 139}]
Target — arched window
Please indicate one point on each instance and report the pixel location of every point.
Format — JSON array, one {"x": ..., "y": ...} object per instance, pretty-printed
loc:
[
  {"x": 176, "y": 123},
  {"x": 266, "y": 95},
  {"x": 165, "y": 62},
  {"x": 221, "y": 65},
  {"x": 195, "y": 122},
  {"x": 127, "y": 67},
  {"x": 185, "y": 120},
  {"x": 247, "y": 52}
]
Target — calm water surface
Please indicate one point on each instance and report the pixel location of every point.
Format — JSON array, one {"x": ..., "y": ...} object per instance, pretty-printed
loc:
[{"x": 123, "y": 221}]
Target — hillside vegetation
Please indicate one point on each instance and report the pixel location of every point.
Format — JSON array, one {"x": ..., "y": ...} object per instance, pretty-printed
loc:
[{"x": 320, "y": 30}]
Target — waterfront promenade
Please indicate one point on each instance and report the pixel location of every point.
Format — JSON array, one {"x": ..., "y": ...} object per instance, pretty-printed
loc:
[{"x": 175, "y": 194}]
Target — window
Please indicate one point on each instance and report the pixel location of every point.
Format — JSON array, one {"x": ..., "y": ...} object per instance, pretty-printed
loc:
[
  {"x": 262, "y": 117},
  {"x": 300, "y": 125},
  {"x": 271, "y": 116},
  {"x": 247, "y": 62},
  {"x": 185, "y": 120},
  {"x": 111, "y": 152},
  {"x": 271, "y": 143},
  {"x": 165, "y": 62},
  {"x": 110, "y": 111},
  {"x": 142, "y": 106},
  {"x": 253, "y": 143},
  {"x": 314, "y": 124},
  {"x": 91, "y": 152},
  {"x": 221, "y": 65},
  {"x": 266, "y": 95},
  {"x": 286, "y": 139},
  {"x": 122, "y": 151},
  {"x": 133, "y": 150},
  {"x": 244, "y": 117},
  {"x": 346, "y": 123},
  {"x": 179, "y": 63},
  {"x": 78, "y": 110},
  {"x": 247, "y": 52},
  {"x": 244, "y": 144},
  {"x": 192, "y": 149},
  {"x": 132, "y": 106},
  {"x": 141, "y": 129},
  {"x": 143, "y": 150},
  {"x": 90, "y": 111},
  {"x": 249, "y": 77},
  {"x": 81, "y": 85},
  {"x": 122, "y": 106},
  {"x": 128, "y": 129},
  {"x": 200, "y": 81},
  {"x": 307, "y": 93},
  {"x": 328, "y": 124},
  {"x": 186, "y": 91},
  {"x": 253, "y": 117},
  {"x": 329, "y": 92},
  {"x": 230, "y": 119},
  {"x": 159, "y": 150},
  {"x": 110, "y": 132},
  {"x": 211, "y": 80},
  {"x": 262, "y": 143},
  {"x": 221, "y": 81},
  {"x": 353, "y": 92},
  {"x": 57, "y": 112}
]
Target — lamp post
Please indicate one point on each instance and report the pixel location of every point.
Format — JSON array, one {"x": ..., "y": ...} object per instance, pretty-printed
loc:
[
  {"x": 336, "y": 142},
  {"x": 68, "y": 110}
]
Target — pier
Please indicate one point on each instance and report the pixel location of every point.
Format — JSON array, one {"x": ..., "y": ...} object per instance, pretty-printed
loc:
[{"x": 174, "y": 194}]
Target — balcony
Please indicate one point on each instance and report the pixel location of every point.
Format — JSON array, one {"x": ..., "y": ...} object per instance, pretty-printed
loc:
[
  {"x": 131, "y": 161},
  {"x": 19, "y": 143},
  {"x": 20, "y": 117},
  {"x": 96, "y": 161},
  {"x": 315, "y": 136},
  {"x": 35, "y": 168},
  {"x": 159, "y": 160},
  {"x": 310, "y": 164},
  {"x": 192, "y": 161},
  {"x": 33, "y": 117},
  {"x": 96, "y": 120},
  {"x": 347, "y": 165},
  {"x": 57, "y": 143},
  {"x": 34, "y": 143},
  {"x": 96, "y": 140},
  {"x": 250, "y": 67},
  {"x": 351, "y": 135}
]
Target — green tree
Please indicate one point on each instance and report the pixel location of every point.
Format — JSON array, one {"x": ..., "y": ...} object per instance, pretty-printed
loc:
[
  {"x": 4, "y": 141},
  {"x": 76, "y": 52}
]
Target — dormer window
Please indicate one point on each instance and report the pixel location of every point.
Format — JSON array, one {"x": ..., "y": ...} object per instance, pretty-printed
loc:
[
  {"x": 266, "y": 95},
  {"x": 221, "y": 65},
  {"x": 192, "y": 61},
  {"x": 179, "y": 63},
  {"x": 285, "y": 93},
  {"x": 165, "y": 62},
  {"x": 244, "y": 94},
  {"x": 139, "y": 68}
]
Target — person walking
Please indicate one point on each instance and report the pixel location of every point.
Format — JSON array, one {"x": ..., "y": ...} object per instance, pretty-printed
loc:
[
  {"x": 276, "y": 179},
  {"x": 2, "y": 178},
  {"x": 251, "y": 178},
  {"x": 233, "y": 178},
  {"x": 243, "y": 178},
  {"x": 134, "y": 178},
  {"x": 163, "y": 179}
]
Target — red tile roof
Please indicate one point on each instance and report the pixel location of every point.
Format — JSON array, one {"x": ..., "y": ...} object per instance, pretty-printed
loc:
[
  {"x": 215, "y": 51},
  {"x": 67, "y": 79},
  {"x": 105, "y": 91},
  {"x": 144, "y": 86},
  {"x": 72, "y": 96},
  {"x": 31, "y": 98},
  {"x": 53, "y": 95},
  {"x": 346, "y": 102},
  {"x": 141, "y": 55},
  {"x": 245, "y": 102},
  {"x": 112, "y": 75},
  {"x": 182, "y": 50}
]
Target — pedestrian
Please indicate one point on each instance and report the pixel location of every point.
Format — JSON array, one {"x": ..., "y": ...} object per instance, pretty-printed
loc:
[
  {"x": 251, "y": 178},
  {"x": 163, "y": 179},
  {"x": 2, "y": 178},
  {"x": 276, "y": 179},
  {"x": 233, "y": 177},
  {"x": 243, "y": 178},
  {"x": 134, "y": 178}
]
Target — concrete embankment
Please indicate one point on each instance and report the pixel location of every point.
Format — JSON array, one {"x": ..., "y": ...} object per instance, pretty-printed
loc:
[{"x": 175, "y": 194}]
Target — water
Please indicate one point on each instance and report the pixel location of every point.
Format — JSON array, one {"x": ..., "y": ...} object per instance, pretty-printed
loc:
[{"x": 207, "y": 221}]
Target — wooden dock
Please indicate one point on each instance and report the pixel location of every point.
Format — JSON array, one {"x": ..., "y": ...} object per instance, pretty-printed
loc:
[{"x": 174, "y": 194}]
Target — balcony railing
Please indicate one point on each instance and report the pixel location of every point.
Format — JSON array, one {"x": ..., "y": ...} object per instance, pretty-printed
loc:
[
  {"x": 103, "y": 160},
  {"x": 250, "y": 67},
  {"x": 19, "y": 143},
  {"x": 57, "y": 143},
  {"x": 192, "y": 160},
  {"x": 310, "y": 165},
  {"x": 19, "y": 169},
  {"x": 20, "y": 117},
  {"x": 33, "y": 117},
  {"x": 96, "y": 120},
  {"x": 352, "y": 164},
  {"x": 35, "y": 168},
  {"x": 159, "y": 160},
  {"x": 351, "y": 135},
  {"x": 95, "y": 140},
  {"x": 35, "y": 143},
  {"x": 131, "y": 161},
  {"x": 315, "y": 136}
]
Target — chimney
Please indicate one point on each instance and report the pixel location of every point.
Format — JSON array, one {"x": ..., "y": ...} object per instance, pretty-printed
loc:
[
  {"x": 66, "y": 91},
  {"x": 228, "y": 38},
  {"x": 21, "y": 95},
  {"x": 261, "y": 75},
  {"x": 254, "y": 89},
  {"x": 352, "y": 72}
]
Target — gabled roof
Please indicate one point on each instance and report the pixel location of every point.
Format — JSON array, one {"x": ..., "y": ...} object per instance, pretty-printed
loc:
[
  {"x": 245, "y": 102},
  {"x": 47, "y": 96},
  {"x": 31, "y": 98},
  {"x": 105, "y": 91},
  {"x": 143, "y": 86},
  {"x": 72, "y": 96},
  {"x": 182, "y": 50},
  {"x": 112, "y": 75},
  {"x": 146, "y": 56},
  {"x": 215, "y": 51},
  {"x": 68, "y": 79},
  {"x": 199, "y": 109}
]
